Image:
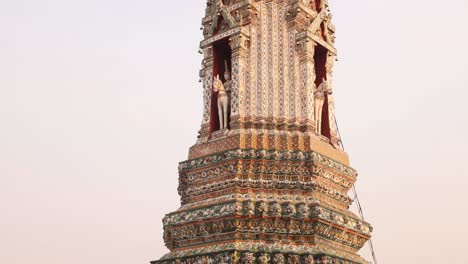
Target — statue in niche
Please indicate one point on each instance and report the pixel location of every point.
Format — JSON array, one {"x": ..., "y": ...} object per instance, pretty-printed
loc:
[
  {"x": 224, "y": 97},
  {"x": 319, "y": 97}
]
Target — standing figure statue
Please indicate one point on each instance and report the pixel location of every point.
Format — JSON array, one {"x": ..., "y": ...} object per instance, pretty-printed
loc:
[
  {"x": 319, "y": 96},
  {"x": 224, "y": 91}
]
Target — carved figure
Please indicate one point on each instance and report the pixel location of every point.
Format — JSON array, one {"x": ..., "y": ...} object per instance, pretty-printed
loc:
[
  {"x": 264, "y": 258},
  {"x": 279, "y": 259},
  {"x": 224, "y": 91},
  {"x": 223, "y": 258},
  {"x": 304, "y": 210},
  {"x": 251, "y": 208},
  {"x": 290, "y": 210},
  {"x": 326, "y": 260},
  {"x": 263, "y": 209},
  {"x": 235, "y": 257},
  {"x": 249, "y": 258},
  {"x": 319, "y": 97},
  {"x": 293, "y": 259},
  {"x": 276, "y": 209},
  {"x": 309, "y": 260}
]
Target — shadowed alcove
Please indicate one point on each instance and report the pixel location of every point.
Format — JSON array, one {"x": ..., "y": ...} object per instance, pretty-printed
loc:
[
  {"x": 221, "y": 58},
  {"x": 320, "y": 58}
]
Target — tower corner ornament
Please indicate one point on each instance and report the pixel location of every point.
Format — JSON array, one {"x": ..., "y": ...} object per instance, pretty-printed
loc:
[{"x": 267, "y": 180}]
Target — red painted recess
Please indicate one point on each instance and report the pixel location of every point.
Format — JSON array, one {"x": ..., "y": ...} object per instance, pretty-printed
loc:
[
  {"x": 320, "y": 57},
  {"x": 221, "y": 54}
]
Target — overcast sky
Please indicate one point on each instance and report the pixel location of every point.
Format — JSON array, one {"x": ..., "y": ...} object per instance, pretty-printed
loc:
[{"x": 100, "y": 100}]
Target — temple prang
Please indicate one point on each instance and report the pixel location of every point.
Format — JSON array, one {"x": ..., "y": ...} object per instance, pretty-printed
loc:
[{"x": 267, "y": 180}]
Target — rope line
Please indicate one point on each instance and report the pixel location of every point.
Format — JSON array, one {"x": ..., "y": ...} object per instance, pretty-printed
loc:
[{"x": 356, "y": 199}]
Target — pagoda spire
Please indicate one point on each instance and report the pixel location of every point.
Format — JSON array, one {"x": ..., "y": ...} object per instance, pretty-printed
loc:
[{"x": 267, "y": 180}]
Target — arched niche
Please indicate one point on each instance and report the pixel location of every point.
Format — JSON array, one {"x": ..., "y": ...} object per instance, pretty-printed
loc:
[
  {"x": 222, "y": 55},
  {"x": 320, "y": 59}
]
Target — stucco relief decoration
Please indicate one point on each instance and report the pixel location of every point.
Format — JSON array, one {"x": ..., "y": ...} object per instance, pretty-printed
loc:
[{"x": 219, "y": 10}]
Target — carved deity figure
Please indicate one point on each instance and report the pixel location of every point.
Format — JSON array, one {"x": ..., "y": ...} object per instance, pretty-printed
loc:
[
  {"x": 319, "y": 96},
  {"x": 264, "y": 258},
  {"x": 326, "y": 260},
  {"x": 263, "y": 209},
  {"x": 227, "y": 78},
  {"x": 224, "y": 91},
  {"x": 293, "y": 259},
  {"x": 249, "y": 258},
  {"x": 276, "y": 209},
  {"x": 251, "y": 208},
  {"x": 290, "y": 210},
  {"x": 279, "y": 259},
  {"x": 235, "y": 258},
  {"x": 304, "y": 210},
  {"x": 309, "y": 259}
]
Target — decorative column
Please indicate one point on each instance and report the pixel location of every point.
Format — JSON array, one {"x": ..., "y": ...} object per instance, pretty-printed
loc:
[
  {"x": 306, "y": 49},
  {"x": 206, "y": 75},
  {"x": 299, "y": 17},
  {"x": 239, "y": 44},
  {"x": 335, "y": 138}
]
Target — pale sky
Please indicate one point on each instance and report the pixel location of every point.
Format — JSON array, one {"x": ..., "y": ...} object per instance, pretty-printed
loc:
[{"x": 100, "y": 100}]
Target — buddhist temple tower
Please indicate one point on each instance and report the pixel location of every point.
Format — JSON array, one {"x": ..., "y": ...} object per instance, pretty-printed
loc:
[{"x": 267, "y": 180}]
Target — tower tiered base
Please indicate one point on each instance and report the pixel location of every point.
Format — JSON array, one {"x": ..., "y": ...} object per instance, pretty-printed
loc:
[{"x": 285, "y": 203}]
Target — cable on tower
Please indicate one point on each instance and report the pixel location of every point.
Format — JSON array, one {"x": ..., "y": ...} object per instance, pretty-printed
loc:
[{"x": 356, "y": 199}]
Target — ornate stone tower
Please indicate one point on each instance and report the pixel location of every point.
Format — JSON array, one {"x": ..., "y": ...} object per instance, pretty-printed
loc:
[{"x": 267, "y": 180}]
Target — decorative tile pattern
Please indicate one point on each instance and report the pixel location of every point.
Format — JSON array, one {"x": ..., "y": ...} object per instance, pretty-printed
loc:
[
  {"x": 281, "y": 60},
  {"x": 233, "y": 252},
  {"x": 267, "y": 155}
]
